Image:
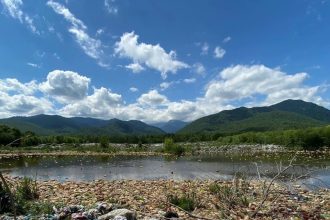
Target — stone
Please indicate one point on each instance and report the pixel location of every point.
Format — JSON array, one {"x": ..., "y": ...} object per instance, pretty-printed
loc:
[
  {"x": 78, "y": 216},
  {"x": 171, "y": 214},
  {"x": 128, "y": 214},
  {"x": 104, "y": 208},
  {"x": 118, "y": 217},
  {"x": 93, "y": 214}
]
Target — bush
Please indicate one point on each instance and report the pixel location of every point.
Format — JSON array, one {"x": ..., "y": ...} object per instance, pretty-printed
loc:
[
  {"x": 231, "y": 195},
  {"x": 312, "y": 141},
  {"x": 104, "y": 142},
  {"x": 171, "y": 147}
]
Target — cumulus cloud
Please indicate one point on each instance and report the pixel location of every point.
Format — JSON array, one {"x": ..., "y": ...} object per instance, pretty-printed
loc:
[
  {"x": 91, "y": 46},
  {"x": 103, "y": 103},
  {"x": 65, "y": 86},
  {"x": 152, "y": 56},
  {"x": 110, "y": 7},
  {"x": 238, "y": 82},
  {"x": 219, "y": 52},
  {"x": 135, "y": 67},
  {"x": 152, "y": 98},
  {"x": 14, "y": 9},
  {"x": 14, "y": 86},
  {"x": 254, "y": 85},
  {"x": 21, "y": 104}
]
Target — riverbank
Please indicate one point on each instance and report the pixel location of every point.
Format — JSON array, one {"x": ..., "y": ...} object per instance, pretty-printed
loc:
[
  {"x": 237, "y": 199},
  {"x": 151, "y": 149}
]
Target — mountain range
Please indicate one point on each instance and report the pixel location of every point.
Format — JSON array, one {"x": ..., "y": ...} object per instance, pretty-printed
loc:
[
  {"x": 289, "y": 114},
  {"x": 171, "y": 126},
  {"x": 58, "y": 125}
]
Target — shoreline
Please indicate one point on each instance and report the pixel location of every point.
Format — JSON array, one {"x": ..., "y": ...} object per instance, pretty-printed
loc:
[{"x": 149, "y": 198}]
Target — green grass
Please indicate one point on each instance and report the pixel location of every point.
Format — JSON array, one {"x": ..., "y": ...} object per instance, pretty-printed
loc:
[{"x": 188, "y": 201}]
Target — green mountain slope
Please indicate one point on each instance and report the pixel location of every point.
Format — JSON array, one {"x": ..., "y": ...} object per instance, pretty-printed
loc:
[
  {"x": 58, "y": 125},
  {"x": 288, "y": 114},
  {"x": 171, "y": 126}
]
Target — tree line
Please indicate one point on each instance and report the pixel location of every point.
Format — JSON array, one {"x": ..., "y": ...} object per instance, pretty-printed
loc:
[{"x": 309, "y": 138}]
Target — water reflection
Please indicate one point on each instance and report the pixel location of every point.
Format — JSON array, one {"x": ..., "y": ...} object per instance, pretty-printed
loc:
[{"x": 85, "y": 168}]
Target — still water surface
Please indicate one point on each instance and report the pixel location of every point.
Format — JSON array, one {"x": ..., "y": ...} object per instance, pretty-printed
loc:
[{"x": 215, "y": 166}]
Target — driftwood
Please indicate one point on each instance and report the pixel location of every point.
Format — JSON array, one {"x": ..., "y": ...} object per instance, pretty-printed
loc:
[{"x": 12, "y": 200}]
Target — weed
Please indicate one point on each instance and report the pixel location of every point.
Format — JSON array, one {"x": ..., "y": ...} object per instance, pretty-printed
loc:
[
  {"x": 233, "y": 194},
  {"x": 27, "y": 189},
  {"x": 188, "y": 201}
]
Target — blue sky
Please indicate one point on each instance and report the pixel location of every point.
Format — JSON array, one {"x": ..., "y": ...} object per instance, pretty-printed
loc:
[{"x": 160, "y": 60}]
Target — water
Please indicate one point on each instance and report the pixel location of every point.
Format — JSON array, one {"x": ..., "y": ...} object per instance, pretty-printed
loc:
[{"x": 216, "y": 166}]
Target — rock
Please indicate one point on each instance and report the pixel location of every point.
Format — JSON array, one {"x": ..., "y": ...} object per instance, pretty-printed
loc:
[
  {"x": 118, "y": 217},
  {"x": 78, "y": 216},
  {"x": 76, "y": 208},
  {"x": 171, "y": 214},
  {"x": 130, "y": 215},
  {"x": 93, "y": 214},
  {"x": 104, "y": 208}
]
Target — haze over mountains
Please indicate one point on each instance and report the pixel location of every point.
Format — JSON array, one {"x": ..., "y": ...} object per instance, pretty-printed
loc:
[
  {"x": 289, "y": 114},
  {"x": 171, "y": 126}
]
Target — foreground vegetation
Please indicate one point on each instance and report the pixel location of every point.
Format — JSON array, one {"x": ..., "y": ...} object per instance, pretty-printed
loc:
[{"x": 236, "y": 199}]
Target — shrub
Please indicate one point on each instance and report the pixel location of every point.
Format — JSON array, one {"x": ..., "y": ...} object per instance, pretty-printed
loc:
[
  {"x": 231, "y": 195},
  {"x": 104, "y": 142},
  {"x": 171, "y": 147}
]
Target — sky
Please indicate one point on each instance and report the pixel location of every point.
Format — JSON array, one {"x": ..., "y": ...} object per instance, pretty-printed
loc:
[{"x": 161, "y": 60}]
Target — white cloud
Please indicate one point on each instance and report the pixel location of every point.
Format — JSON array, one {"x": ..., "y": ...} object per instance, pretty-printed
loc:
[
  {"x": 226, "y": 39},
  {"x": 219, "y": 52},
  {"x": 135, "y": 67},
  {"x": 205, "y": 48},
  {"x": 14, "y": 86},
  {"x": 189, "y": 80},
  {"x": 110, "y": 7},
  {"x": 238, "y": 82},
  {"x": 103, "y": 103},
  {"x": 21, "y": 104},
  {"x": 165, "y": 85},
  {"x": 133, "y": 89},
  {"x": 152, "y": 56},
  {"x": 91, "y": 46},
  {"x": 33, "y": 65},
  {"x": 14, "y": 8},
  {"x": 254, "y": 85},
  {"x": 199, "y": 69},
  {"x": 65, "y": 86},
  {"x": 152, "y": 98},
  {"x": 99, "y": 31}
]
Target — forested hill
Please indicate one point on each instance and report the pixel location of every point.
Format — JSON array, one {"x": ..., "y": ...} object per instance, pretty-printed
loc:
[
  {"x": 289, "y": 114},
  {"x": 171, "y": 126},
  {"x": 58, "y": 125}
]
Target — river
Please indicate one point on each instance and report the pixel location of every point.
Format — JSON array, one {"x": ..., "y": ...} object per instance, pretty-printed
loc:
[{"x": 315, "y": 171}]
